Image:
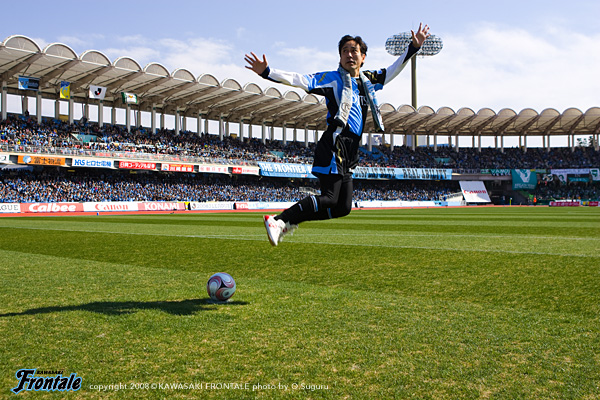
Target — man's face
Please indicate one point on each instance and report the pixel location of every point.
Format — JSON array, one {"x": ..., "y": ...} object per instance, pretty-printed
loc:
[{"x": 351, "y": 58}]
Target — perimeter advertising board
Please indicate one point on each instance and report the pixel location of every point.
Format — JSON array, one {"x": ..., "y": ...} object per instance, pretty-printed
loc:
[{"x": 474, "y": 192}]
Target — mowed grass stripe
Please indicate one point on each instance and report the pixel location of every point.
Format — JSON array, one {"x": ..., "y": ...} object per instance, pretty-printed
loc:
[{"x": 529, "y": 280}]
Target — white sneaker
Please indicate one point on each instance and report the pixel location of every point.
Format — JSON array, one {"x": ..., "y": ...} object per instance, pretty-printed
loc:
[
  {"x": 277, "y": 229},
  {"x": 274, "y": 228}
]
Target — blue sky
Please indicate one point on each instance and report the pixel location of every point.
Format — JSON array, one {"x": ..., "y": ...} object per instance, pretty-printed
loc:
[{"x": 500, "y": 54}]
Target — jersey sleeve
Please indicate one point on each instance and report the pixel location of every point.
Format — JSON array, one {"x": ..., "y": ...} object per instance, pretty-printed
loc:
[
  {"x": 385, "y": 75},
  {"x": 287, "y": 78}
]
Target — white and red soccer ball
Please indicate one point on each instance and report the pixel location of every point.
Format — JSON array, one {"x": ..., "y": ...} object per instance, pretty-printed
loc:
[{"x": 220, "y": 286}]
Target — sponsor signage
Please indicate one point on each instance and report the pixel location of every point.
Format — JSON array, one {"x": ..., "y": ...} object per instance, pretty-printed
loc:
[
  {"x": 568, "y": 203},
  {"x": 285, "y": 170},
  {"x": 474, "y": 192},
  {"x": 437, "y": 174},
  {"x": 92, "y": 163},
  {"x": 41, "y": 160},
  {"x": 177, "y": 167},
  {"x": 28, "y": 83},
  {"x": 51, "y": 207},
  {"x": 213, "y": 205},
  {"x": 162, "y": 206},
  {"x": 243, "y": 170},
  {"x": 523, "y": 179},
  {"x": 111, "y": 206},
  {"x": 137, "y": 165},
  {"x": 213, "y": 169},
  {"x": 10, "y": 208}
]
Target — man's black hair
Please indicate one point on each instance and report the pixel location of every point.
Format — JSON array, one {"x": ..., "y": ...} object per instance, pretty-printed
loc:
[{"x": 357, "y": 39}]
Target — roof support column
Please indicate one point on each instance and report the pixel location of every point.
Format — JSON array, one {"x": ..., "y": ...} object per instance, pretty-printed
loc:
[
  {"x": 153, "y": 119},
  {"x": 241, "y": 134},
  {"x": 370, "y": 141},
  {"x": 457, "y": 143},
  {"x": 283, "y": 134},
  {"x": 221, "y": 127},
  {"x": 502, "y": 142},
  {"x": 479, "y": 143},
  {"x": 525, "y": 143},
  {"x": 24, "y": 104},
  {"x": 572, "y": 136},
  {"x": 249, "y": 131},
  {"x": 177, "y": 122},
  {"x": 263, "y": 132},
  {"x": 272, "y": 133},
  {"x": 101, "y": 113},
  {"x": 435, "y": 141},
  {"x": 305, "y": 135},
  {"x": 38, "y": 106},
  {"x": 71, "y": 110},
  {"x": 227, "y": 128},
  {"x": 113, "y": 115},
  {"x": 3, "y": 99},
  {"x": 128, "y": 117},
  {"x": 199, "y": 124},
  {"x": 206, "y": 125},
  {"x": 295, "y": 134},
  {"x": 138, "y": 122},
  {"x": 86, "y": 111},
  {"x": 162, "y": 118}
]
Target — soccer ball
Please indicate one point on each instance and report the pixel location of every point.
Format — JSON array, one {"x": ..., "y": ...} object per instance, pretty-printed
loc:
[{"x": 220, "y": 286}]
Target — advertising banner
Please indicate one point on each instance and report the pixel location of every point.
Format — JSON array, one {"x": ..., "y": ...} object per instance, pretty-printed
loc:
[
  {"x": 10, "y": 208},
  {"x": 51, "y": 207},
  {"x": 4, "y": 158},
  {"x": 286, "y": 170},
  {"x": 245, "y": 170},
  {"x": 524, "y": 179},
  {"x": 41, "y": 160},
  {"x": 137, "y": 165},
  {"x": 474, "y": 192},
  {"x": 212, "y": 205},
  {"x": 92, "y": 163},
  {"x": 213, "y": 169},
  {"x": 162, "y": 206},
  {"x": 437, "y": 174},
  {"x": 110, "y": 206},
  {"x": 566, "y": 203},
  {"x": 28, "y": 83},
  {"x": 177, "y": 167},
  {"x": 595, "y": 173}
]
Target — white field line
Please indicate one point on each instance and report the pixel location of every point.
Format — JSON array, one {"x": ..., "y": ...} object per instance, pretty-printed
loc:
[{"x": 261, "y": 238}]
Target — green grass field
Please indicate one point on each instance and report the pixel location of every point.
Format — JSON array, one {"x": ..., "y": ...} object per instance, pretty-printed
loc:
[{"x": 467, "y": 303}]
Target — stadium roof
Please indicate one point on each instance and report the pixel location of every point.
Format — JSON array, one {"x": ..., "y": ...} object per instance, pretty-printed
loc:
[{"x": 180, "y": 90}]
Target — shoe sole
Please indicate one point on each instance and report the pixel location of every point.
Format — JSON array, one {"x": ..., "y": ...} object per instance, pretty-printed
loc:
[{"x": 266, "y": 221}]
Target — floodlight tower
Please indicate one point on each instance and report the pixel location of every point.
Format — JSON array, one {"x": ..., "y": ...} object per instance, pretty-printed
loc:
[{"x": 397, "y": 44}]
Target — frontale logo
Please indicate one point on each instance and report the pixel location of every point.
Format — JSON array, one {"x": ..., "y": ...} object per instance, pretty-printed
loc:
[{"x": 28, "y": 381}]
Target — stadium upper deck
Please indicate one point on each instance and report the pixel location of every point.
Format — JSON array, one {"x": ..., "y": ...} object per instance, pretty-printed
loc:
[{"x": 180, "y": 93}]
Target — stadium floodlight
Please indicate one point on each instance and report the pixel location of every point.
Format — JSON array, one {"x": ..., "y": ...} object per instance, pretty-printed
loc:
[{"x": 397, "y": 44}]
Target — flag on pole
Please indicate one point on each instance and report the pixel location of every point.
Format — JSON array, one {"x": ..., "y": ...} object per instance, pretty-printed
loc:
[
  {"x": 129, "y": 98},
  {"x": 97, "y": 92},
  {"x": 65, "y": 90}
]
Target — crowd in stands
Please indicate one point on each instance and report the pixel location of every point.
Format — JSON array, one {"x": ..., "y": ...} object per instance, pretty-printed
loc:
[
  {"x": 576, "y": 191},
  {"x": 20, "y": 132},
  {"x": 56, "y": 185}
]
